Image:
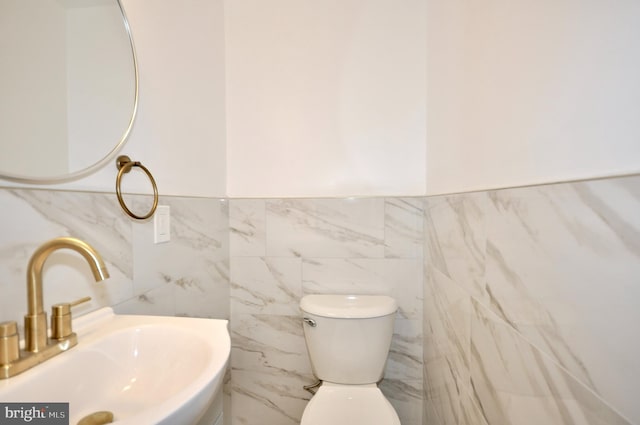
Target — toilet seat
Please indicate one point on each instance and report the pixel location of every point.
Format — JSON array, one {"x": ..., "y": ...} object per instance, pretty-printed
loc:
[{"x": 338, "y": 404}]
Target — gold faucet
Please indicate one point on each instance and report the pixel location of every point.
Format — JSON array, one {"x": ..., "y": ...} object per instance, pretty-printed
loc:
[{"x": 38, "y": 347}]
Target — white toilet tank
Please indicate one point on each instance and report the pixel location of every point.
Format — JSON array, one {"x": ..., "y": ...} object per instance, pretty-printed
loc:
[{"x": 348, "y": 336}]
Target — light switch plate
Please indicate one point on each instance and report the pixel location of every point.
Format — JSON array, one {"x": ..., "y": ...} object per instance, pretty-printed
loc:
[{"x": 162, "y": 224}]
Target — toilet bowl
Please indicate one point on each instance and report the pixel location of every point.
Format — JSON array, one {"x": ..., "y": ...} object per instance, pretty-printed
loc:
[
  {"x": 338, "y": 404},
  {"x": 348, "y": 339}
]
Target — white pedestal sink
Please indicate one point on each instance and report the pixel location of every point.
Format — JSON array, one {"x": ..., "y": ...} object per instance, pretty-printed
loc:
[{"x": 144, "y": 369}]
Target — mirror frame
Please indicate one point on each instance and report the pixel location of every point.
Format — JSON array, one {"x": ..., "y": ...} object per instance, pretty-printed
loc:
[{"x": 110, "y": 156}]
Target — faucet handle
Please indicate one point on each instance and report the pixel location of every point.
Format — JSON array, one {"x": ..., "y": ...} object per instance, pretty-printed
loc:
[
  {"x": 62, "y": 309},
  {"x": 61, "y": 318},
  {"x": 9, "y": 342}
]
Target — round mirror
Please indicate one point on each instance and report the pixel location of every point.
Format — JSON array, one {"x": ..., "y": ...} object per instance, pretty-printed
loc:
[{"x": 69, "y": 85}]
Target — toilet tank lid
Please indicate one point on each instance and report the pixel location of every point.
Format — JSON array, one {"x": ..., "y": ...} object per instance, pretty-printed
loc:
[{"x": 348, "y": 306}]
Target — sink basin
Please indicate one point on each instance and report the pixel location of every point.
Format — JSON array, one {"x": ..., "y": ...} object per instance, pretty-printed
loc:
[{"x": 143, "y": 369}]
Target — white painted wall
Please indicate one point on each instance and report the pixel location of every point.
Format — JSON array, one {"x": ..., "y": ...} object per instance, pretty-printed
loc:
[
  {"x": 325, "y": 98},
  {"x": 179, "y": 133},
  {"x": 531, "y": 92},
  {"x": 328, "y": 98}
]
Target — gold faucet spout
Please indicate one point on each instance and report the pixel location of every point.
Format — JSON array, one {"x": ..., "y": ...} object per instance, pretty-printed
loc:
[{"x": 36, "y": 319}]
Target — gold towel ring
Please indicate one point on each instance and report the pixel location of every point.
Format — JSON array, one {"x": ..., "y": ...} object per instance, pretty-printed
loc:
[{"x": 125, "y": 164}]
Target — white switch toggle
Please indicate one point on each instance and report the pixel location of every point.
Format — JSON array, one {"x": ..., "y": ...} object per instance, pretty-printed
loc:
[{"x": 162, "y": 224}]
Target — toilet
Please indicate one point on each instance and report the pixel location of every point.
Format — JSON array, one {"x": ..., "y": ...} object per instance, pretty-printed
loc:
[{"x": 348, "y": 339}]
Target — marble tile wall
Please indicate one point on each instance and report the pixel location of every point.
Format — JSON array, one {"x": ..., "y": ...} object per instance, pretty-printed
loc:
[
  {"x": 517, "y": 306},
  {"x": 531, "y": 305},
  {"x": 282, "y": 249},
  {"x": 187, "y": 276}
]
